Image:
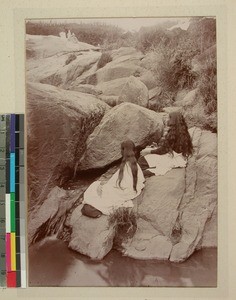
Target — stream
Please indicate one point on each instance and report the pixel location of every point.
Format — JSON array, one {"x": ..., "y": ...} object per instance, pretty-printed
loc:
[{"x": 52, "y": 263}]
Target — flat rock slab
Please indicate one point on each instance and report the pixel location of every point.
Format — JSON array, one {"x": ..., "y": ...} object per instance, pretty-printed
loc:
[
  {"x": 161, "y": 198},
  {"x": 91, "y": 237},
  {"x": 147, "y": 243}
]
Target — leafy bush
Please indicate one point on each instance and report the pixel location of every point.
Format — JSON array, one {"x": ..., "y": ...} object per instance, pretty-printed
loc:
[
  {"x": 173, "y": 69},
  {"x": 125, "y": 224},
  {"x": 203, "y": 32},
  {"x": 207, "y": 85},
  {"x": 104, "y": 59}
]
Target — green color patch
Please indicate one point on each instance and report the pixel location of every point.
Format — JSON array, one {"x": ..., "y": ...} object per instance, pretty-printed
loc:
[
  {"x": 12, "y": 196},
  {"x": 13, "y": 213}
]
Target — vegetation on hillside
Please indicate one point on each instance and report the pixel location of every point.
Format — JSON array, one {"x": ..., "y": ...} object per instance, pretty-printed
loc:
[{"x": 179, "y": 59}]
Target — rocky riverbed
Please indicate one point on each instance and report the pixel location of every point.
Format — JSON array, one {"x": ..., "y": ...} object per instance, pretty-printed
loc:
[{"x": 78, "y": 114}]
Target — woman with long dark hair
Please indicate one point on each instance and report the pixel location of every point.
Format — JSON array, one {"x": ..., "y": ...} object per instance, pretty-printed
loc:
[
  {"x": 173, "y": 150},
  {"x": 128, "y": 161},
  {"x": 121, "y": 188}
]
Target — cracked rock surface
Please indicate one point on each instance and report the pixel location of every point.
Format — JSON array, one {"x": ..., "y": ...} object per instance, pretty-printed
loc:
[{"x": 177, "y": 213}]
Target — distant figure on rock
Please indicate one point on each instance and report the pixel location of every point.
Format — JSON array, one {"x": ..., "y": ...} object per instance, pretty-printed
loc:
[
  {"x": 73, "y": 38},
  {"x": 66, "y": 32},
  {"x": 121, "y": 188},
  {"x": 172, "y": 152},
  {"x": 62, "y": 35}
]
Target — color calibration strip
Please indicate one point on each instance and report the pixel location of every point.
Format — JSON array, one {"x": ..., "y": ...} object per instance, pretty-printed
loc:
[{"x": 12, "y": 201}]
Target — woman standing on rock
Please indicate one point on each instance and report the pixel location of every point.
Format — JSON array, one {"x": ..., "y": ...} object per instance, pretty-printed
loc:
[
  {"x": 173, "y": 150},
  {"x": 121, "y": 188}
]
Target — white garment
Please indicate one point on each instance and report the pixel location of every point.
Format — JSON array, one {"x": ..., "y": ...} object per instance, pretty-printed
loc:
[
  {"x": 113, "y": 196},
  {"x": 161, "y": 164},
  {"x": 62, "y": 35}
]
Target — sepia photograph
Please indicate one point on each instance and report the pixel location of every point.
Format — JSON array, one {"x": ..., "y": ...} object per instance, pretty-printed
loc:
[{"x": 122, "y": 152}]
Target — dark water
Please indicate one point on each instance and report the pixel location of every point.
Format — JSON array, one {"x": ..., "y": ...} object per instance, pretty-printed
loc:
[{"x": 51, "y": 263}]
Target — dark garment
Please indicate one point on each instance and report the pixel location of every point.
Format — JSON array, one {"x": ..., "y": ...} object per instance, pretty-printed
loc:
[
  {"x": 90, "y": 211},
  {"x": 144, "y": 166},
  {"x": 148, "y": 173},
  {"x": 143, "y": 163},
  {"x": 160, "y": 151}
]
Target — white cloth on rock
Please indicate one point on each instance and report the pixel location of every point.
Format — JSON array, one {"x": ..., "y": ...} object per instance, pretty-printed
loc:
[
  {"x": 113, "y": 196},
  {"x": 161, "y": 164}
]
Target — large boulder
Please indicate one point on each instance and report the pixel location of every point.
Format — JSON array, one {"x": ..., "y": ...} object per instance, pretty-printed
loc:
[
  {"x": 41, "y": 68},
  {"x": 45, "y": 219},
  {"x": 147, "y": 243},
  {"x": 87, "y": 88},
  {"x": 84, "y": 78},
  {"x": 160, "y": 203},
  {"x": 148, "y": 79},
  {"x": 157, "y": 215},
  {"x": 124, "y": 64},
  {"x": 65, "y": 76},
  {"x": 151, "y": 59},
  {"x": 180, "y": 95},
  {"x": 58, "y": 124},
  {"x": 177, "y": 212},
  {"x": 110, "y": 100},
  {"x": 209, "y": 238},
  {"x": 112, "y": 87},
  {"x": 155, "y": 98},
  {"x": 56, "y": 71},
  {"x": 40, "y": 46},
  {"x": 188, "y": 99},
  {"x": 120, "y": 123},
  {"x": 113, "y": 71},
  {"x": 134, "y": 91},
  {"x": 199, "y": 202},
  {"x": 128, "y": 58},
  {"x": 155, "y": 92},
  {"x": 124, "y": 51},
  {"x": 91, "y": 237}
]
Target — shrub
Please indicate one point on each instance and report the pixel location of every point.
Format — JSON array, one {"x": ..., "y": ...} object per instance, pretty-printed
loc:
[
  {"x": 207, "y": 85},
  {"x": 104, "y": 59},
  {"x": 125, "y": 224},
  {"x": 172, "y": 69},
  {"x": 153, "y": 36}
]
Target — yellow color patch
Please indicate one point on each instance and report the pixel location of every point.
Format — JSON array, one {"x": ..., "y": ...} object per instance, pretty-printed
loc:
[{"x": 13, "y": 251}]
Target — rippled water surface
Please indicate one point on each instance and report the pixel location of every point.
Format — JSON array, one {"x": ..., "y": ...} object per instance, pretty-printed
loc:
[{"x": 51, "y": 263}]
